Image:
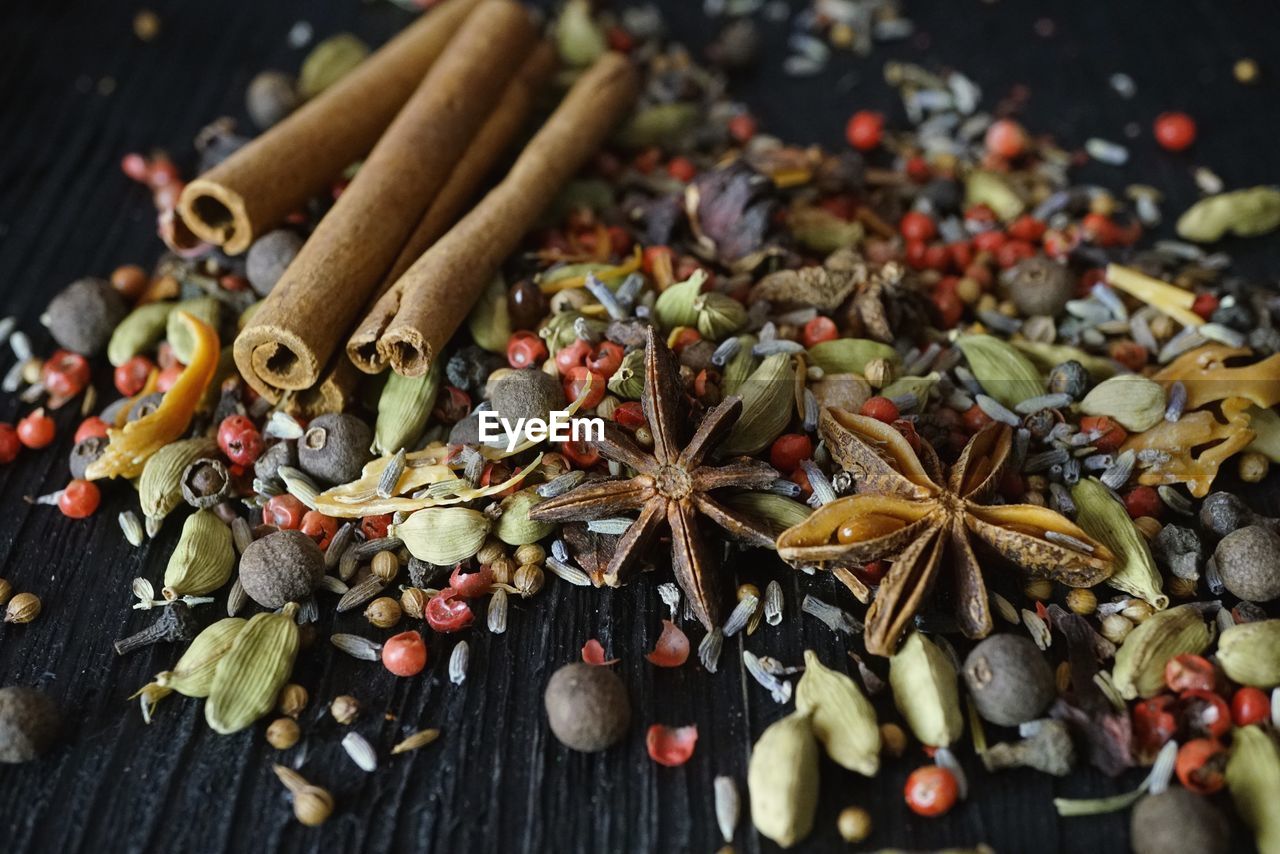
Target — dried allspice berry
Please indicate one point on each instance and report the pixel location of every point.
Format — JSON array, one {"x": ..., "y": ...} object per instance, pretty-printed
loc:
[
  {"x": 1248, "y": 561},
  {"x": 1177, "y": 821},
  {"x": 268, "y": 257},
  {"x": 83, "y": 316},
  {"x": 1041, "y": 286},
  {"x": 335, "y": 448},
  {"x": 587, "y": 707},
  {"x": 204, "y": 483},
  {"x": 1009, "y": 680},
  {"x": 29, "y": 724},
  {"x": 526, "y": 394},
  {"x": 85, "y": 452},
  {"x": 281, "y": 567}
]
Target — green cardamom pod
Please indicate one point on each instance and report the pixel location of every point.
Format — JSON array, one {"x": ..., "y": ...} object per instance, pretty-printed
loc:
[
  {"x": 443, "y": 535},
  {"x": 925, "y": 691},
  {"x": 1133, "y": 401},
  {"x": 718, "y": 315},
  {"x": 822, "y": 231},
  {"x": 1250, "y": 653},
  {"x": 514, "y": 527},
  {"x": 994, "y": 191},
  {"x": 160, "y": 485},
  {"x": 193, "y": 675},
  {"x": 741, "y": 366},
  {"x": 776, "y": 512},
  {"x": 1105, "y": 519},
  {"x": 782, "y": 778},
  {"x": 489, "y": 321},
  {"x": 560, "y": 330},
  {"x": 628, "y": 381},
  {"x": 1244, "y": 213},
  {"x": 203, "y": 559},
  {"x": 658, "y": 125},
  {"x": 225, "y": 368},
  {"x": 140, "y": 330},
  {"x": 1046, "y": 357},
  {"x": 1253, "y": 778},
  {"x": 768, "y": 402},
  {"x": 404, "y": 406},
  {"x": 178, "y": 332},
  {"x": 1002, "y": 371},
  {"x": 1140, "y": 661},
  {"x": 843, "y": 718},
  {"x": 328, "y": 62},
  {"x": 1265, "y": 423},
  {"x": 849, "y": 355},
  {"x": 249, "y": 677},
  {"x": 921, "y": 387},
  {"x": 580, "y": 41},
  {"x": 678, "y": 304}
]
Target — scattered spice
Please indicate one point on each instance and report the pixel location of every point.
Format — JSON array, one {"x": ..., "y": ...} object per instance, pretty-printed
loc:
[
  {"x": 29, "y": 724},
  {"x": 587, "y": 707}
]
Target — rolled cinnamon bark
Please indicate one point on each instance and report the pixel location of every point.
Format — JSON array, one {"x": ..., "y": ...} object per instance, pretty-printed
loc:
[
  {"x": 442, "y": 285},
  {"x": 301, "y": 323},
  {"x": 493, "y": 140},
  {"x": 252, "y": 191}
]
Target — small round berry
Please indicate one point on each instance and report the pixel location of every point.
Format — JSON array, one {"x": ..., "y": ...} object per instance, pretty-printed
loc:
[
  {"x": 931, "y": 791},
  {"x": 130, "y": 281},
  {"x": 818, "y": 330},
  {"x": 10, "y": 444},
  {"x": 285, "y": 511},
  {"x": 36, "y": 430},
  {"x": 239, "y": 440},
  {"x": 1250, "y": 706},
  {"x": 65, "y": 374},
  {"x": 917, "y": 226},
  {"x": 864, "y": 130},
  {"x": 1175, "y": 131},
  {"x": 1006, "y": 138},
  {"x": 79, "y": 499},
  {"x": 881, "y": 409},
  {"x": 789, "y": 450},
  {"x": 405, "y": 654},
  {"x": 131, "y": 376}
]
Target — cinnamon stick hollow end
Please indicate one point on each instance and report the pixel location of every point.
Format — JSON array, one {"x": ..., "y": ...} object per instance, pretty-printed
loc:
[
  {"x": 438, "y": 291},
  {"x": 281, "y": 359},
  {"x": 217, "y": 214}
]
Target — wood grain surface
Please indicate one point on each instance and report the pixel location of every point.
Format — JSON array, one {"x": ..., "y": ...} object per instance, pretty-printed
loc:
[{"x": 78, "y": 90}]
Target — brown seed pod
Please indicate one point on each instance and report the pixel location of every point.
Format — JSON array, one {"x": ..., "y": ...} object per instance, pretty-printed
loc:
[
  {"x": 23, "y": 608},
  {"x": 385, "y": 566},
  {"x": 283, "y": 733},
  {"x": 1009, "y": 679},
  {"x": 383, "y": 612},
  {"x": 293, "y": 699},
  {"x": 413, "y": 601}
]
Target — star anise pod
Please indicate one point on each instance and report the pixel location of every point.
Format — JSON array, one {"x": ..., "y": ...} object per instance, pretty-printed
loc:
[
  {"x": 907, "y": 510},
  {"x": 674, "y": 483}
]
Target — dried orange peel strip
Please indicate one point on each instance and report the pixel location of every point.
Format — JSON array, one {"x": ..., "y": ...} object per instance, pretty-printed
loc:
[
  {"x": 1197, "y": 444},
  {"x": 1207, "y": 378},
  {"x": 129, "y": 447}
]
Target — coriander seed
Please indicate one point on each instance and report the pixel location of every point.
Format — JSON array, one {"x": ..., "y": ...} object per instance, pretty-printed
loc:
[
  {"x": 529, "y": 579},
  {"x": 345, "y": 709},
  {"x": 23, "y": 608},
  {"x": 413, "y": 602},
  {"x": 1082, "y": 600},
  {"x": 385, "y": 565},
  {"x": 312, "y": 805},
  {"x": 492, "y": 550},
  {"x": 383, "y": 612},
  {"x": 503, "y": 569},
  {"x": 893, "y": 739},
  {"x": 6, "y": 591},
  {"x": 1148, "y": 526},
  {"x": 293, "y": 699},
  {"x": 1039, "y": 589},
  {"x": 1181, "y": 588},
  {"x": 530, "y": 553},
  {"x": 283, "y": 733},
  {"x": 1254, "y": 467},
  {"x": 854, "y": 824},
  {"x": 1115, "y": 627}
]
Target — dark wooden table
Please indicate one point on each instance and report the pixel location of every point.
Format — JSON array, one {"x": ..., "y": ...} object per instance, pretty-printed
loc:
[{"x": 78, "y": 90}]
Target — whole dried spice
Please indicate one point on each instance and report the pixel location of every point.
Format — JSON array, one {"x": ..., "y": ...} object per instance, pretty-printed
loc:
[
  {"x": 22, "y": 608},
  {"x": 283, "y": 733},
  {"x": 345, "y": 709},
  {"x": 924, "y": 680},
  {"x": 140, "y": 330},
  {"x": 1253, "y": 778},
  {"x": 782, "y": 779},
  {"x": 82, "y": 316},
  {"x": 822, "y": 287},
  {"x": 192, "y": 675},
  {"x": 249, "y": 676},
  {"x": 1135, "y": 402},
  {"x": 443, "y": 535},
  {"x": 1008, "y": 679},
  {"x": 335, "y": 448},
  {"x": 1249, "y": 653},
  {"x": 403, "y": 410},
  {"x": 312, "y": 805},
  {"x": 849, "y": 355},
  {"x": 203, "y": 559},
  {"x": 903, "y": 510},
  {"x": 182, "y": 340},
  {"x": 841, "y": 716},
  {"x": 29, "y": 724},
  {"x": 1178, "y": 820},
  {"x": 1048, "y": 749},
  {"x": 160, "y": 486},
  {"x": 205, "y": 483},
  {"x": 175, "y": 623},
  {"x": 129, "y": 447},
  {"x": 1248, "y": 561},
  {"x": 328, "y": 62},
  {"x": 1244, "y": 213},
  {"x": 1002, "y": 371},
  {"x": 766, "y": 406},
  {"x": 514, "y": 527},
  {"x": 281, "y": 567},
  {"x": 587, "y": 707},
  {"x": 1107, "y": 520},
  {"x": 672, "y": 483},
  {"x": 1141, "y": 659}
]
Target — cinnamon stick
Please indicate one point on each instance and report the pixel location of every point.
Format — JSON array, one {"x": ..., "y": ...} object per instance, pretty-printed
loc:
[
  {"x": 252, "y": 191},
  {"x": 301, "y": 323},
  {"x": 439, "y": 289},
  {"x": 493, "y": 140}
]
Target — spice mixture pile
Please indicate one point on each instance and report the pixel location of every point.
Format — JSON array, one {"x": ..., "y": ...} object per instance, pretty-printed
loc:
[{"x": 925, "y": 362}]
